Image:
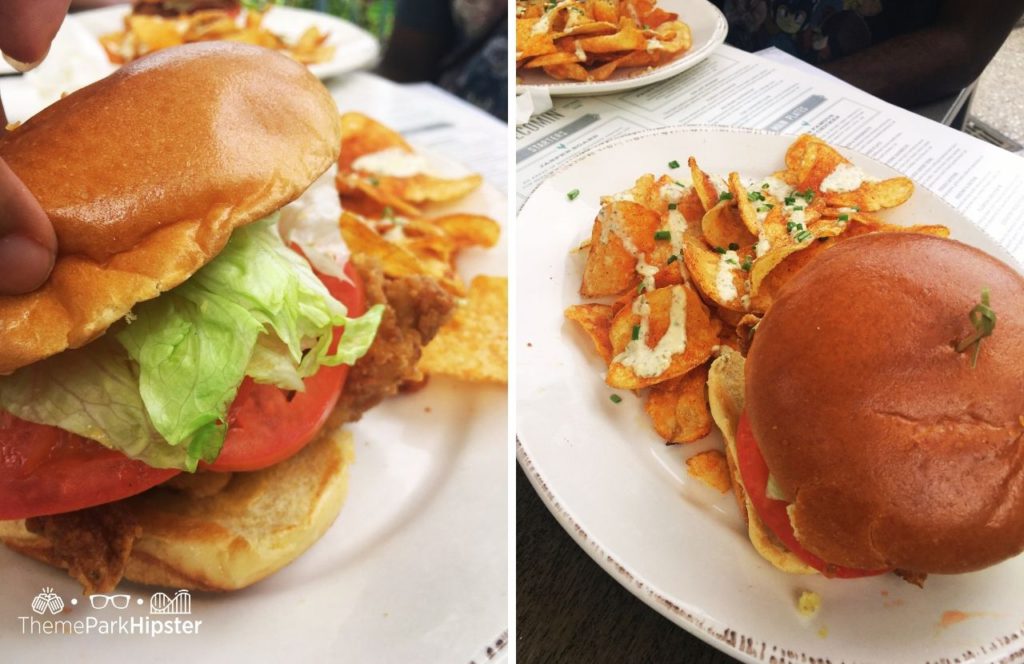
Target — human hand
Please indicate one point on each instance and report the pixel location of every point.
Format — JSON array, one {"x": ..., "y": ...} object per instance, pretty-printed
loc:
[{"x": 28, "y": 244}]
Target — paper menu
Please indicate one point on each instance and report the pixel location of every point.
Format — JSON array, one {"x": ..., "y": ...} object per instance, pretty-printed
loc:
[{"x": 738, "y": 89}]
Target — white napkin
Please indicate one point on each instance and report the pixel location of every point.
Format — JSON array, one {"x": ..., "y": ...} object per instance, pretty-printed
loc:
[{"x": 533, "y": 101}]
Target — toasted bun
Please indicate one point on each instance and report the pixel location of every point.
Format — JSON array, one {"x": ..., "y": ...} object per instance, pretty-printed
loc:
[
  {"x": 257, "y": 524},
  {"x": 892, "y": 449},
  {"x": 146, "y": 173},
  {"x": 725, "y": 397}
]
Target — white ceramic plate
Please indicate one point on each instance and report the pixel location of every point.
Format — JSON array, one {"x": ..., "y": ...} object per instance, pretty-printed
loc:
[
  {"x": 708, "y": 29},
  {"x": 413, "y": 570},
  {"x": 626, "y": 497},
  {"x": 355, "y": 48}
]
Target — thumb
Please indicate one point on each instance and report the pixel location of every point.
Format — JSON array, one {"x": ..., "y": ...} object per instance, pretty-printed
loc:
[{"x": 28, "y": 244}]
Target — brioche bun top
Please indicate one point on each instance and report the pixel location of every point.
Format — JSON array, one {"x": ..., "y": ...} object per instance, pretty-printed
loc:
[
  {"x": 146, "y": 173},
  {"x": 892, "y": 450}
]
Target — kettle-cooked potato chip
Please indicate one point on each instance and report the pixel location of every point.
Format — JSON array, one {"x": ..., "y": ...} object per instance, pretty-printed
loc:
[
  {"x": 596, "y": 321},
  {"x": 723, "y": 227},
  {"x": 623, "y": 237},
  {"x": 678, "y": 408},
  {"x": 473, "y": 345},
  {"x": 377, "y": 163},
  {"x": 663, "y": 334},
  {"x": 719, "y": 277}
]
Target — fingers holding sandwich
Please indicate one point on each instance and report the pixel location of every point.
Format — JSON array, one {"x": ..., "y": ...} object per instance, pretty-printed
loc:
[
  {"x": 26, "y": 29},
  {"x": 28, "y": 244}
]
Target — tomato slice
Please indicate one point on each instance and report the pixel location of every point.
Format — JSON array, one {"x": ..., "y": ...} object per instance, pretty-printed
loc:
[
  {"x": 754, "y": 472},
  {"x": 45, "y": 470},
  {"x": 267, "y": 425}
]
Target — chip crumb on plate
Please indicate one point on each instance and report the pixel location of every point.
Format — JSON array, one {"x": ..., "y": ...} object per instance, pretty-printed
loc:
[
  {"x": 809, "y": 603},
  {"x": 711, "y": 468}
]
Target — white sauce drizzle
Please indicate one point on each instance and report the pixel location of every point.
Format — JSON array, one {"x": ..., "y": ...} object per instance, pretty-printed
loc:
[
  {"x": 777, "y": 187},
  {"x": 543, "y": 24},
  {"x": 677, "y": 222},
  {"x": 672, "y": 192},
  {"x": 394, "y": 162},
  {"x": 763, "y": 245},
  {"x": 625, "y": 195},
  {"x": 797, "y": 221},
  {"x": 845, "y": 177},
  {"x": 397, "y": 231},
  {"x": 728, "y": 265},
  {"x": 647, "y": 362}
]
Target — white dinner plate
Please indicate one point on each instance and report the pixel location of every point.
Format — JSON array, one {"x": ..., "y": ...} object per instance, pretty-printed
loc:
[
  {"x": 355, "y": 48},
  {"x": 626, "y": 497},
  {"x": 708, "y": 29},
  {"x": 415, "y": 569}
]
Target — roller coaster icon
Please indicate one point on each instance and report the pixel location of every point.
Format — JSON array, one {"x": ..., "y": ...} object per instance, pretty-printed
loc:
[{"x": 179, "y": 605}]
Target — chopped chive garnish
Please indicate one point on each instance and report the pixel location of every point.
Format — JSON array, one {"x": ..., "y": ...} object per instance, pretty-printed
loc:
[
  {"x": 573, "y": 195},
  {"x": 636, "y": 332},
  {"x": 640, "y": 288},
  {"x": 732, "y": 261},
  {"x": 719, "y": 250},
  {"x": 844, "y": 217},
  {"x": 672, "y": 206},
  {"x": 673, "y": 164},
  {"x": 663, "y": 235},
  {"x": 803, "y": 235},
  {"x": 733, "y": 246},
  {"x": 790, "y": 225},
  {"x": 725, "y": 196},
  {"x": 809, "y": 195},
  {"x": 671, "y": 259},
  {"x": 789, "y": 200},
  {"x": 755, "y": 196},
  {"x": 746, "y": 264},
  {"x": 764, "y": 186},
  {"x": 615, "y": 398},
  {"x": 983, "y": 318}
]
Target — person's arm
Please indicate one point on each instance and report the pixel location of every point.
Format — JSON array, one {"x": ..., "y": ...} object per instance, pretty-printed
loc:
[
  {"x": 28, "y": 245},
  {"x": 424, "y": 32},
  {"x": 936, "y": 61}
]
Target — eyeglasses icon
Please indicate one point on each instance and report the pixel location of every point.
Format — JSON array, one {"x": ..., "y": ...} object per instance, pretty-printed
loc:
[{"x": 102, "y": 601}]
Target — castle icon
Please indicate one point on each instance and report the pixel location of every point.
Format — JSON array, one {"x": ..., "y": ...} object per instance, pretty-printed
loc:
[{"x": 179, "y": 605}]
